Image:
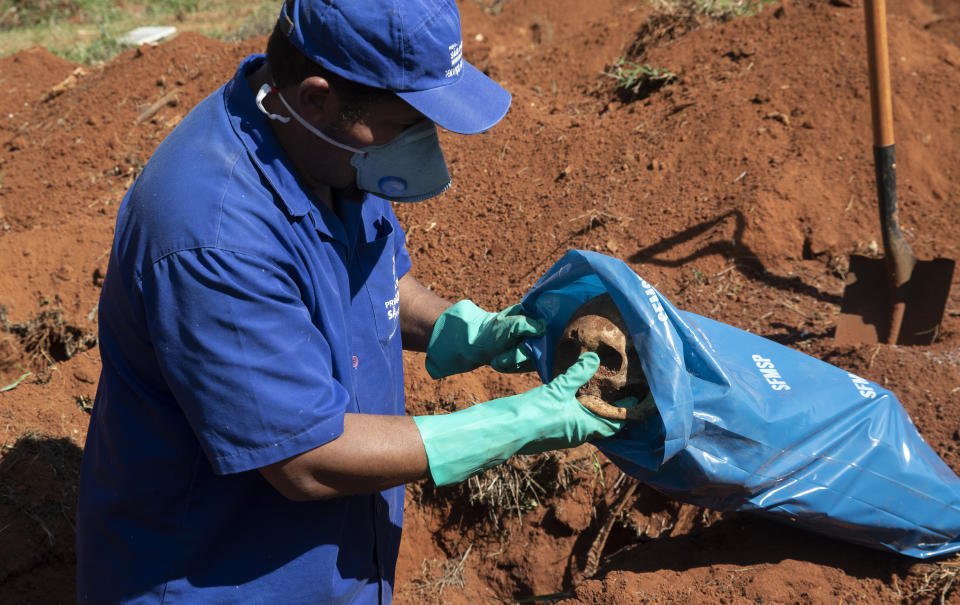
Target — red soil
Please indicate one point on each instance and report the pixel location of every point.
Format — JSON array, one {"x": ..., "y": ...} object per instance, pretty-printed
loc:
[{"x": 738, "y": 190}]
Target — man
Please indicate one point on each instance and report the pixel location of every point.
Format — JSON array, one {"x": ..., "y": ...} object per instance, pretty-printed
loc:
[{"x": 248, "y": 442}]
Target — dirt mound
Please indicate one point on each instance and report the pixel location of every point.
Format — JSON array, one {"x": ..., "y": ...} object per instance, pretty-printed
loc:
[
  {"x": 25, "y": 77},
  {"x": 737, "y": 185}
]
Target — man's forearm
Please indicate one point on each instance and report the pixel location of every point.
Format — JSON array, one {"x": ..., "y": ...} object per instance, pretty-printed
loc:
[
  {"x": 372, "y": 454},
  {"x": 419, "y": 310}
]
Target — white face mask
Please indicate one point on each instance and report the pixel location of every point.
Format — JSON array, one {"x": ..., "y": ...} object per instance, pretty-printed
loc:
[{"x": 410, "y": 168}]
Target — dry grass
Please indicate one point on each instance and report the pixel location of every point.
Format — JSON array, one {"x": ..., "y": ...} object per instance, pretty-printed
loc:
[
  {"x": 437, "y": 575},
  {"x": 720, "y": 10},
  {"x": 41, "y": 341},
  {"x": 627, "y": 487},
  {"x": 938, "y": 582},
  {"x": 522, "y": 483},
  {"x": 9, "y": 354}
]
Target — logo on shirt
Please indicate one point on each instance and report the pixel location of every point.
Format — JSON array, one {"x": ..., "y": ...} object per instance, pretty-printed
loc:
[
  {"x": 393, "y": 305},
  {"x": 456, "y": 60}
]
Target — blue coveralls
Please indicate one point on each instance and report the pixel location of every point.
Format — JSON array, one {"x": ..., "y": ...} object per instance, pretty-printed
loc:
[{"x": 240, "y": 319}]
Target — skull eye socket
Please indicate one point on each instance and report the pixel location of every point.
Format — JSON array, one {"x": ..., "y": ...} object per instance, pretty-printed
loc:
[
  {"x": 567, "y": 352},
  {"x": 609, "y": 357}
]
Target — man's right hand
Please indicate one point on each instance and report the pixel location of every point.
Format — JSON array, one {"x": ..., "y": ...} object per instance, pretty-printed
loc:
[
  {"x": 376, "y": 452},
  {"x": 548, "y": 417}
]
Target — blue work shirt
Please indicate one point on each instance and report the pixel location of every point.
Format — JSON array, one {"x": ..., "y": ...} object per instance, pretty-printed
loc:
[{"x": 240, "y": 319}]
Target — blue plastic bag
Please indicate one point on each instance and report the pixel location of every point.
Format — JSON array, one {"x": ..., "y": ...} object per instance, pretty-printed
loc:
[{"x": 748, "y": 424}]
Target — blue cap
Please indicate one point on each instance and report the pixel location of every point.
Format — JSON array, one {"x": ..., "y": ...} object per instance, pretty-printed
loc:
[{"x": 411, "y": 47}]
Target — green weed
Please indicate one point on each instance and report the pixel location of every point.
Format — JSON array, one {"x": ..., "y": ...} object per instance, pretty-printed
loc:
[
  {"x": 99, "y": 50},
  {"x": 731, "y": 9},
  {"x": 598, "y": 469},
  {"x": 173, "y": 7},
  {"x": 85, "y": 31},
  {"x": 16, "y": 382},
  {"x": 639, "y": 79},
  {"x": 259, "y": 23},
  {"x": 670, "y": 19},
  {"x": 721, "y": 10},
  {"x": 26, "y": 13}
]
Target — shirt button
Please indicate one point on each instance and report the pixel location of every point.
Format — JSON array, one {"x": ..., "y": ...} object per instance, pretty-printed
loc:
[{"x": 356, "y": 361}]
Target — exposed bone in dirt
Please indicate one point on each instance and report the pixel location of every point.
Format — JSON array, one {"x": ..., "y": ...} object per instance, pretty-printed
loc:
[{"x": 597, "y": 326}]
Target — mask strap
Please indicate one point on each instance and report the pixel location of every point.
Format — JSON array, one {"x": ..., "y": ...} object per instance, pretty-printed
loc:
[
  {"x": 263, "y": 92},
  {"x": 268, "y": 88}
]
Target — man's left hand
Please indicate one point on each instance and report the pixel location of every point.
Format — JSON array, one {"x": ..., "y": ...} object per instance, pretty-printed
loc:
[{"x": 467, "y": 337}]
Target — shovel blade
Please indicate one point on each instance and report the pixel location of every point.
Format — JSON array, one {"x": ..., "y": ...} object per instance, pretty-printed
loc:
[{"x": 867, "y": 304}]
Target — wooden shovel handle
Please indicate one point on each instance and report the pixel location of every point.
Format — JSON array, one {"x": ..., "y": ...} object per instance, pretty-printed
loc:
[
  {"x": 897, "y": 254},
  {"x": 878, "y": 57}
]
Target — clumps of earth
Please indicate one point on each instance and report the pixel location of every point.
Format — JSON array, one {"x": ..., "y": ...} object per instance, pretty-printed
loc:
[{"x": 598, "y": 326}]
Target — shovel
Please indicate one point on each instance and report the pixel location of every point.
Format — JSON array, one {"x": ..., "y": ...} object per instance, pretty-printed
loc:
[{"x": 896, "y": 299}]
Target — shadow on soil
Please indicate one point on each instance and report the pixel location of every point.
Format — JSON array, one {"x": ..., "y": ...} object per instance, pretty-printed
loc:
[
  {"x": 745, "y": 540},
  {"x": 38, "y": 493},
  {"x": 747, "y": 262}
]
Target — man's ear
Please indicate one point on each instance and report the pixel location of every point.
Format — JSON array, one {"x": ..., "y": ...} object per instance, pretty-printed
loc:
[{"x": 317, "y": 99}]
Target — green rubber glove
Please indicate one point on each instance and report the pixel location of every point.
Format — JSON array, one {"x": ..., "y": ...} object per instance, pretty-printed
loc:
[
  {"x": 546, "y": 418},
  {"x": 467, "y": 337}
]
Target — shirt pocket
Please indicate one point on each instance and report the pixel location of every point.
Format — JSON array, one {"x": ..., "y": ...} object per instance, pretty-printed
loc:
[{"x": 379, "y": 262}]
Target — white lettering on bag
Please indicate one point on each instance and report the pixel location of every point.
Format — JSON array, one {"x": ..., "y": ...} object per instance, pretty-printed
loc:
[
  {"x": 770, "y": 373},
  {"x": 654, "y": 300},
  {"x": 863, "y": 386}
]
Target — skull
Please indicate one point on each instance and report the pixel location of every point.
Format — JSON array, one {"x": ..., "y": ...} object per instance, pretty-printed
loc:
[{"x": 598, "y": 326}]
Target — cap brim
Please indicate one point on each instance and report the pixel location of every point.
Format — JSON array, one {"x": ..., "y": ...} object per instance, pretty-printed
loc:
[{"x": 473, "y": 104}]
